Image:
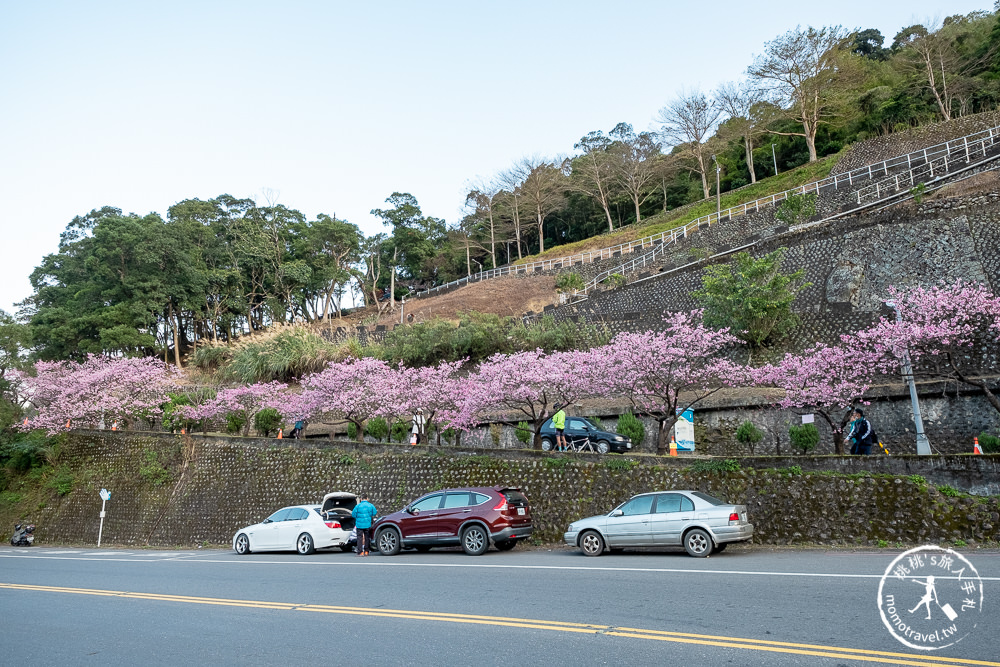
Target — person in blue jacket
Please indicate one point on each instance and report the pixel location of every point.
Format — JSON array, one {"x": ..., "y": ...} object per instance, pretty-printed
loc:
[
  {"x": 861, "y": 435},
  {"x": 364, "y": 514}
]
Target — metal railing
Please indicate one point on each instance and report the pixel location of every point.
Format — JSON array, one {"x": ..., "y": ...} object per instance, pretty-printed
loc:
[
  {"x": 830, "y": 183},
  {"x": 934, "y": 163}
]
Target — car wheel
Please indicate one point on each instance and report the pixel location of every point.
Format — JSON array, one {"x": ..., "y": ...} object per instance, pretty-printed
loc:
[
  {"x": 603, "y": 446},
  {"x": 475, "y": 541},
  {"x": 505, "y": 545},
  {"x": 242, "y": 544},
  {"x": 719, "y": 548},
  {"x": 422, "y": 548},
  {"x": 388, "y": 541},
  {"x": 346, "y": 548},
  {"x": 546, "y": 445},
  {"x": 592, "y": 543},
  {"x": 697, "y": 543},
  {"x": 304, "y": 545}
]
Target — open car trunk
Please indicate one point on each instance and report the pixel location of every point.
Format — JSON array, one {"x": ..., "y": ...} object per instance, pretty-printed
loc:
[{"x": 338, "y": 506}]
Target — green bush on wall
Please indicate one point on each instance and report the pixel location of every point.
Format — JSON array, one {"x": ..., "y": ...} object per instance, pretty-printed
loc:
[
  {"x": 804, "y": 438},
  {"x": 267, "y": 422},
  {"x": 401, "y": 431},
  {"x": 749, "y": 435},
  {"x": 523, "y": 432},
  {"x": 989, "y": 443},
  {"x": 633, "y": 429},
  {"x": 377, "y": 428}
]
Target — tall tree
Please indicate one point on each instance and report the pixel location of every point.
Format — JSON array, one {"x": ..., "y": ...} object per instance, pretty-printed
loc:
[
  {"x": 543, "y": 187},
  {"x": 688, "y": 122},
  {"x": 804, "y": 72},
  {"x": 635, "y": 163},
  {"x": 591, "y": 173},
  {"x": 483, "y": 200},
  {"x": 744, "y": 105}
]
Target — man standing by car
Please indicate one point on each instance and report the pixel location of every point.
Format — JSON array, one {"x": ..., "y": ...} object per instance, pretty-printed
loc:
[
  {"x": 364, "y": 513},
  {"x": 559, "y": 424}
]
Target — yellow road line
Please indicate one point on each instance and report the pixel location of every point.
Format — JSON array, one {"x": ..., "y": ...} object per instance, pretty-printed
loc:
[{"x": 814, "y": 650}]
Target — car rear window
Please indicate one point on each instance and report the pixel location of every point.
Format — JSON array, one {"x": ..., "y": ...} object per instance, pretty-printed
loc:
[
  {"x": 514, "y": 497},
  {"x": 708, "y": 499}
]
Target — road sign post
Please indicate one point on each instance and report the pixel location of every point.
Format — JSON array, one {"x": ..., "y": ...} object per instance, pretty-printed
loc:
[{"x": 105, "y": 497}]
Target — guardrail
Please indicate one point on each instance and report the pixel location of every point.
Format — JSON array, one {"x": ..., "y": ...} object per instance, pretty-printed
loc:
[
  {"x": 835, "y": 182},
  {"x": 934, "y": 163}
]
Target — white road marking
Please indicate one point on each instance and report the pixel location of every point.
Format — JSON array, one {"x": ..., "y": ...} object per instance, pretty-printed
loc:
[{"x": 488, "y": 566}]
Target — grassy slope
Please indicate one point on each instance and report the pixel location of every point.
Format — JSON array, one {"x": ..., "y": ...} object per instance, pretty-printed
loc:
[{"x": 661, "y": 222}]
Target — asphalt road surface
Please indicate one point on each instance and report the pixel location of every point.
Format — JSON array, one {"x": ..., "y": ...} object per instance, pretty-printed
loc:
[{"x": 749, "y": 606}]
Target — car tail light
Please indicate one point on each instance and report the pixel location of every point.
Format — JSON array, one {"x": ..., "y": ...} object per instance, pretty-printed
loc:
[
  {"x": 734, "y": 518},
  {"x": 501, "y": 506},
  {"x": 332, "y": 524}
]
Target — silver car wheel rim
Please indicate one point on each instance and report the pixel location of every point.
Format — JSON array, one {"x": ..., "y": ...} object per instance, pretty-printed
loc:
[
  {"x": 241, "y": 544},
  {"x": 591, "y": 543},
  {"x": 602, "y": 447},
  {"x": 474, "y": 539},
  {"x": 697, "y": 542},
  {"x": 304, "y": 543},
  {"x": 387, "y": 541}
]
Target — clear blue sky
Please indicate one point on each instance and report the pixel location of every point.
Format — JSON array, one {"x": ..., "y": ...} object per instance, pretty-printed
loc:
[{"x": 329, "y": 107}]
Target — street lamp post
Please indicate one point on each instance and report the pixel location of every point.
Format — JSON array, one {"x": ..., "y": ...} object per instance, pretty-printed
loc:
[
  {"x": 718, "y": 195},
  {"x": 923, "y": 444},
  {"x": 773, "y": 157}
]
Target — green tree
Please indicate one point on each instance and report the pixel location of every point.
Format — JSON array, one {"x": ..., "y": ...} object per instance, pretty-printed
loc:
[{"x": 752, "y": 297}]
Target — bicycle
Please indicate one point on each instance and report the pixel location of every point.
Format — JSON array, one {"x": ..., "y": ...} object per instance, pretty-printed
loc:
[{"x": 575, "y": 444}]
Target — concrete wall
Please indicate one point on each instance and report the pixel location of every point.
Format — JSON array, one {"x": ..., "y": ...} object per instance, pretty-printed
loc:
[{"x": 215, "y": 488}]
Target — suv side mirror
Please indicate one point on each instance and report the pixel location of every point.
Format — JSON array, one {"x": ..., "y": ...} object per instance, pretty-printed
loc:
[{"x": 617, "y": 513}]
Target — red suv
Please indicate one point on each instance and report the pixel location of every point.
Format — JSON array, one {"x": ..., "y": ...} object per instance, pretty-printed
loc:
[{"x": 469, "y": 517}]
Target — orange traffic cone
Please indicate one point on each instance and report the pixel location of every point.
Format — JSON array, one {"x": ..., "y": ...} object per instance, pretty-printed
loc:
[
  {"x": 976, "y": 449},
  {"x": 279, "y": 434},
  {"x": 114, "y": 425},
  {"x": 673, "y": 446},
  {"x": 67, "y": 423},
  {"x": 413, "y": 438},
  {"x": 25, "y": 421},
  {"x": 182, "y": 430}
]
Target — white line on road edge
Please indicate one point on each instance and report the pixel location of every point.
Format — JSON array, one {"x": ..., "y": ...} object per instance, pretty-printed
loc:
[{"x": 486, "y": 566}]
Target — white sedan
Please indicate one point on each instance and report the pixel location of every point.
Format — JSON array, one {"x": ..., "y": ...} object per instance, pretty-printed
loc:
[{"x": 300, "y": 528}]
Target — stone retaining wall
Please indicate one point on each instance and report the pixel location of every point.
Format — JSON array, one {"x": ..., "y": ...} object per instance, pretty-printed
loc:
[{"x": 227, "y": 485}]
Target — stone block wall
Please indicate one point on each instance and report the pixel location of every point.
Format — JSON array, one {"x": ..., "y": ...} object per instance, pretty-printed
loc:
[{"x": 228, "y": 485}]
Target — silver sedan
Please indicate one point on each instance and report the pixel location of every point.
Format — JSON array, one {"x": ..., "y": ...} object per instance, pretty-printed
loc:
[{"x": 692, "y": 519}]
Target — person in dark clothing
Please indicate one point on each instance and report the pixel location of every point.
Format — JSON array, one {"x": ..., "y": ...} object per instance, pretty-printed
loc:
[
  {"x": 364, "y": 514},
  {"x": 861, "y": 434}
]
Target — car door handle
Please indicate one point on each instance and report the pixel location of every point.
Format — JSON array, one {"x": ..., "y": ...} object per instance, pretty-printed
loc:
[{"x": 464, "y": 511}]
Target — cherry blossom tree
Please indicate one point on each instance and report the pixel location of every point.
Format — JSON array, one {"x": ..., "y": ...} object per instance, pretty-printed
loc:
[
  {"x": 354, "y": 390},
  {"x": 825, "y": 379},
  {"x": 437, "y": 390},
  {"x": 525, "y": 386},
  {"x": 99, "y": 389},
  {"x": 244, "y": 402},
  {"x": 663, "y": 373},
  {"x": 950, "y": 332}
]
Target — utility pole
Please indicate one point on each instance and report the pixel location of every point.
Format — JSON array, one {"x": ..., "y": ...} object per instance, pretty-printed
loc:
[
  {"x": 773, "y": 157},
  {"x": 718, "y": 195},
  {"x": 923, "y": 444}
]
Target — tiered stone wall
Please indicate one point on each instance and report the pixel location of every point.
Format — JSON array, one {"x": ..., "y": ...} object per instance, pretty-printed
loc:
[{"x": 229, "y": 485}]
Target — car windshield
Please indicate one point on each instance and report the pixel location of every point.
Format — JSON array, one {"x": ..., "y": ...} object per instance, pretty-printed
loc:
[{"x": 708, "y": 499}]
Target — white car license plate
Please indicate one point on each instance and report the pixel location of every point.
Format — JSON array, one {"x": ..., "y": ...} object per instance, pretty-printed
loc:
[{"x": 520, "y": 510}]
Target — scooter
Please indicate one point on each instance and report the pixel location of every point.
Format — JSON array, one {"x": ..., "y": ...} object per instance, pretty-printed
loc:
[{"x": 24, "y": 536}]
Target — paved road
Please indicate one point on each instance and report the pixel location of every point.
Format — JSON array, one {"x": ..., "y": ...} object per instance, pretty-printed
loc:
[{"x": 743, "y": 607}]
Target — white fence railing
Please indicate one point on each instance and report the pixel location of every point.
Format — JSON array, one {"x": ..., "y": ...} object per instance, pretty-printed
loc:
[
  {"x": 921, "y": 166},
  {"x": 982, "y": 139}
]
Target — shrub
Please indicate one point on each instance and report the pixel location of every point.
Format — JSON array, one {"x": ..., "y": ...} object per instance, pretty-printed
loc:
[
  {"x": 211, "y": 357},
  {"x": 556, "y": 464},
  {"x": 495, "y": 432},
  {"x": 62, "y": 481},
  {"x": 615, "y": 281},
  {"x": 620, "y": 464},
  {"x": 949, "y": 491},
  {"x": 26, "y": 451},
  {"x": 401, "y": 431},
  {"x": 804, "y": 438},
  {"x": 596, "y": 421},
  {"x": 377, "y": 428},
  {"x": 151, "y": 470},
  {"x": 749, "y": 435},
  {"x": 918, "y": 480},
  {"x": 568, "y": 282},
  {"x": 283, "y": 353},
  {"x": 352, "y": 430},
  {"x": 633, "y": 429},
  {"x": 796, "y": 208},
  {"x": 989, "y": 443},
  {"x": 523, "y": 432},
  {"x": 715, "y": 466},
  {"x": 267, "y": 421},
  {"x": 235, "y": 422}
]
